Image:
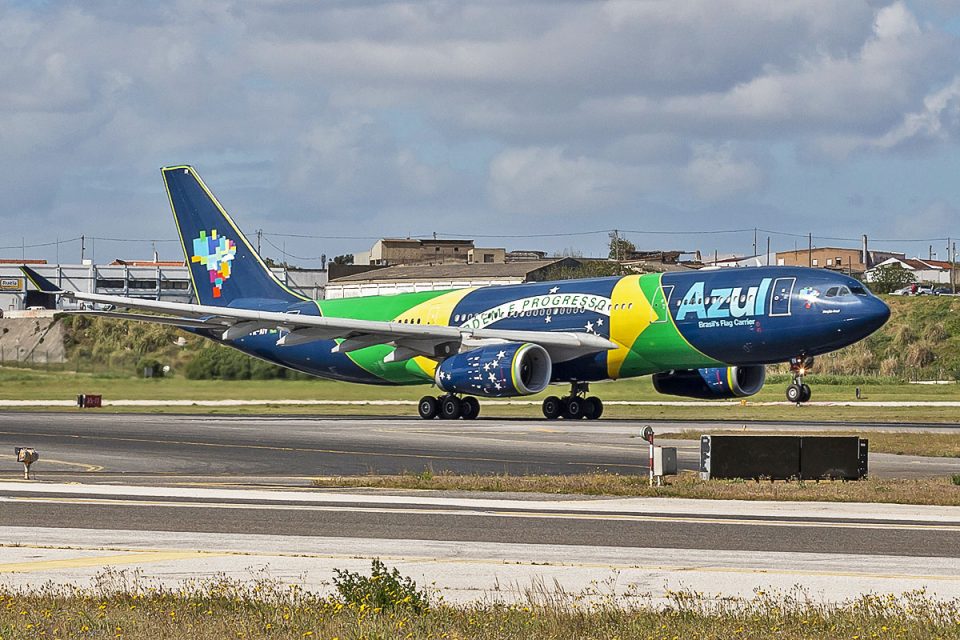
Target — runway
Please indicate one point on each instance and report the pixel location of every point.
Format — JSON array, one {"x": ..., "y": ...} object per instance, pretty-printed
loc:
[
  {"x": 286, "y": 450},
  {"x": 470, "y": 547},
  {"x": 184, "y": 496}
]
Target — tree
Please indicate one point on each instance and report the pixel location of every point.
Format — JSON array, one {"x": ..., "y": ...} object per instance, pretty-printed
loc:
[
  {"x": 890, "y": 277},
  {"x": 346, "y": 258},
  {"x": 620, "y": 248}
]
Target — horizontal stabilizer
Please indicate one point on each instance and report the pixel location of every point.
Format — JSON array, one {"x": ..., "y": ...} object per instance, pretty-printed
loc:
[{"x": 39, "y": 281}]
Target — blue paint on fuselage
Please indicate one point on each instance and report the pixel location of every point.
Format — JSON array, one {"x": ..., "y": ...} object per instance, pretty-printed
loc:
[{"x": 759, "y": 315}]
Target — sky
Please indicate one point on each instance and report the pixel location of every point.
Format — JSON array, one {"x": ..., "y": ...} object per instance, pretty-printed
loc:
[{"x": 529, "y": 124}]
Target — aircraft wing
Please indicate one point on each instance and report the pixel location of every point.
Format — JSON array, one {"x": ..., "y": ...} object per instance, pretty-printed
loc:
[{"x": 410, "y": 340}]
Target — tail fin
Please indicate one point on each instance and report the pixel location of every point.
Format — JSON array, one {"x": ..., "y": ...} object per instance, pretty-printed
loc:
[{"x": 224, "y": 267}]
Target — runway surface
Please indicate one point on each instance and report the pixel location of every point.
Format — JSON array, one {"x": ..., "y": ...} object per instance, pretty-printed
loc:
[
  {"x": 469, "y": 547},
  {"x": 291, "y": 450}
]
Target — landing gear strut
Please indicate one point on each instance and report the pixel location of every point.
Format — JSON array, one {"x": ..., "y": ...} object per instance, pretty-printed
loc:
[
  {"x": 448, "y": 407},
  {"x": 574, "y": 406},
  {"x": 799, "y": 392}
]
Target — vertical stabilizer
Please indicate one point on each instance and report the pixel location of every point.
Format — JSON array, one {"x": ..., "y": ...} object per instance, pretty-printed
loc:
[{"x": 224, "y": 267}]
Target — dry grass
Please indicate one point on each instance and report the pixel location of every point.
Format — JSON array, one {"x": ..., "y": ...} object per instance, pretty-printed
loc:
[
  {"x": 226, "y": 609},
  {"x": 930, "y": 491},
  {"x": 937, "y": 445}
]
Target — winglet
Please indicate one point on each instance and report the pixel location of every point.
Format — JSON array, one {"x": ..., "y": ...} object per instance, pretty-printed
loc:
[{"x": 39, "y": 281}]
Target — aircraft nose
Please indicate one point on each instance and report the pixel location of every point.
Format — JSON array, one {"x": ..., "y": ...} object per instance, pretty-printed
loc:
[{"x": 875, "y": 314}]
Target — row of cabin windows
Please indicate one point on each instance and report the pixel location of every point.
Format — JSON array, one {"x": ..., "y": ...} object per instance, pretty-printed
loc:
[{"x": 551, "y": 311}]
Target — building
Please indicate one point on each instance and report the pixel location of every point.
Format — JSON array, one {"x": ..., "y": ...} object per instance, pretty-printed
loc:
[
  {"x": 837, "y": 258},
  {"x": 131, "y": 278},
  {"x": 924, "y": 271},
  {"x": 486, "y": 256},
  {"x": 413, "y": 278},
  {"x": 394, "y": 251}
]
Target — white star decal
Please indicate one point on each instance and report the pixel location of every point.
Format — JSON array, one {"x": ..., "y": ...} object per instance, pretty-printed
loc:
[
  {"x": 588, "y": 327},
  {"x": 498, "y": 386},
  {"x": 492, "y": 377},
  {"x": 555, "y": 289},
  {"x": 599, "y": 322},
  {"x": 486, "y": 367},
  {"x": 548, "y": 319},
  {"x": 502, "y": 354}
]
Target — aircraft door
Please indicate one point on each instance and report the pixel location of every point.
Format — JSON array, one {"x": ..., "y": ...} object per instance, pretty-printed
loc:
[
  {"x": 781, "y": 296},
  {"x": 661, "y": 303}
]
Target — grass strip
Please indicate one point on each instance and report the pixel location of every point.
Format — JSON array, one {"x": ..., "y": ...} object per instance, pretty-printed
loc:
[
  {"x": 924, "y": 491},
  {"x": 228, "y": 609}
]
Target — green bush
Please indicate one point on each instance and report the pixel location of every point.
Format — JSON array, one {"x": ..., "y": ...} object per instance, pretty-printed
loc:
[
  {"x": 383, "y": 589},
  {"x": 956, "y": 479},
  {"x": 149, "y": 363}
]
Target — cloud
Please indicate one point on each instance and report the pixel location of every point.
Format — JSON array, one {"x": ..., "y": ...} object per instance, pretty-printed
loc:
[
  {"x": 299, "y": 114},
  {"x": 714, "y": 173}
]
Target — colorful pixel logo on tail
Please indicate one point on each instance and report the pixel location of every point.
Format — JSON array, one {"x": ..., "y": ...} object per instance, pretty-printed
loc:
[{"x": 215, "y": 253}]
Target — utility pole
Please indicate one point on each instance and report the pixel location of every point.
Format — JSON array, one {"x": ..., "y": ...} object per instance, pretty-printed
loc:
[
  {"x": 768, "y": 251},
  {"x": 83, "y": 247},
  {"x": 952, "y": 256},
  {"x": 259, "y": 237},
  {"x": 755, "y": 241},
  {"x": 809, "y": 249}
]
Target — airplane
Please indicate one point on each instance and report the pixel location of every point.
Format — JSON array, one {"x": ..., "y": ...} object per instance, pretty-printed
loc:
[{"x": 699, "y": 334}]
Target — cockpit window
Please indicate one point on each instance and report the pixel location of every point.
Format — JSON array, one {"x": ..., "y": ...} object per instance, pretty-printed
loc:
[
  {"x": 832, "y": 292},
  {"x": 859, "y": 290},
  {"x": 843, "y": 291}
]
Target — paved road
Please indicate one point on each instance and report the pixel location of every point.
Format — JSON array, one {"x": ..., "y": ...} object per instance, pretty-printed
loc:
[
  {"x": 289, "y": 450},
  {"x": 474, "y": 547}
]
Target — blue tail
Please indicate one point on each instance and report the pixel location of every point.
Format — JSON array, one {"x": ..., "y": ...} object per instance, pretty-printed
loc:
[{"x": 225, "y": 268}]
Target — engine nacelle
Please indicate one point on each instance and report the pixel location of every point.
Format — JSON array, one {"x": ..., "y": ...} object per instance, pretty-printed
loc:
[
  {"x": 497, "y": 371},
  {"x": 712, "y": 383}
]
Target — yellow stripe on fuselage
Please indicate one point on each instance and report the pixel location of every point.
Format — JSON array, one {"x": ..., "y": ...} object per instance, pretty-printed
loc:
[
  {"x": 630, "y": 315},
  {"x": 436, "y": 311}
]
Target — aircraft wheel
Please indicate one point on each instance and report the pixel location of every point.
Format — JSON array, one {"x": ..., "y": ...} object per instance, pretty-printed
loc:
[
  {"x": 805, "y": 396},
  {"x": 450, "y": 407},
  {"x": 428, "y": 407},
  {"x": 795, "y": 393},
  {"x": 593, "y": 408},
  {"x": 552, "y": 407},
  {"x": 469, "y": 408},
  {"x": 574, "y": 408}
]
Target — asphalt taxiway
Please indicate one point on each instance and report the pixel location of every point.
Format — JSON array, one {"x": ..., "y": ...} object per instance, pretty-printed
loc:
[
  {"x": 161, "y": 448},
  {"x": 179, "y": 497}
]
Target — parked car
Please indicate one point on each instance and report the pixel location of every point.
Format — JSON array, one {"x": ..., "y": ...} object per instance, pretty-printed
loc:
[
  {"x": 903, "y": 291},
  {"x": 943, "y": 291}
]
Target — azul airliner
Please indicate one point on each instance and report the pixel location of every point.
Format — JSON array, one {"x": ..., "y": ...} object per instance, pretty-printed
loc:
[{"x": 701, "y": 334}]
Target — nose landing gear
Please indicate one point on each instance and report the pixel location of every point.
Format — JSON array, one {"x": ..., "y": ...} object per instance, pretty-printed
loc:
[
  {"x": 574, "y": 406},
  {"x": 799, "y": 392}
]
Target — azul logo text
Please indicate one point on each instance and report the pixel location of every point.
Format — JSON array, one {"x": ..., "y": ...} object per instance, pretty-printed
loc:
[{"x": 735, "y": 302}]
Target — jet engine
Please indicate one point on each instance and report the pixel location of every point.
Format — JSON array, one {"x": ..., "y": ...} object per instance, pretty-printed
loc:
[
  {"x": 497, "y": 371},
  {"x": 712, "y": 383}
]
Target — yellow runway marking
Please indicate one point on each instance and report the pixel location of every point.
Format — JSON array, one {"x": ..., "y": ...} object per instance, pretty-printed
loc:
[
  {"x": 104, "y": 561},
  {"x": 87, "y": 468},
  {"x": 621, "y": 517}
]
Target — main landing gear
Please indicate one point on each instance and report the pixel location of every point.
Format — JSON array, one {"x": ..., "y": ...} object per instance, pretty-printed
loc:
[
  {"x": 574, "y": 406},
  {"x": 799, "y": 392},
  {"x": 448, "y": 407}
]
